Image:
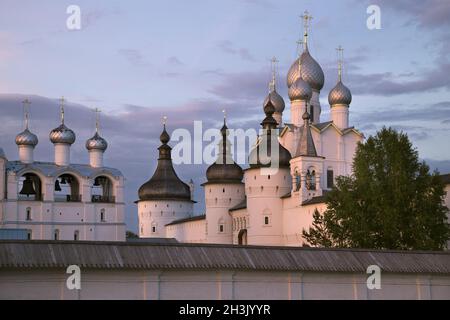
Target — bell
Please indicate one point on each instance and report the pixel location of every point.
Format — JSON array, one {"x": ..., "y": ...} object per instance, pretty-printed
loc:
[
  {"x": 27, "y": 187},
  {"x": 96, "y": 182},
  {"x": 57, "y": 186},
  {"x": 63, "y": 180}
]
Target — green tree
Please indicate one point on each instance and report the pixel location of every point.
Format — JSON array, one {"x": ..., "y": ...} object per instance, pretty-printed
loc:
[
  {"x": 131, "y": 235},
  {"x": 390, "y": 202}
]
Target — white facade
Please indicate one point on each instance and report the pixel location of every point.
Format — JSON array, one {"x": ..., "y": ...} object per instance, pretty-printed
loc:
[{"x": 60, "y": 200}]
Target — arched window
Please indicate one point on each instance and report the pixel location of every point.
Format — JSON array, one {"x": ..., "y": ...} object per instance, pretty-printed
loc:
[
  {"x": 67, "y": 189},
  {"x": 266, "y": 220},
  {"x": 29, "y": 234},
  {"x": 56, "y": 234},
  {"x": 153, "y": 227},
  {"x": 311, "y": 180},
  {"x": 102, "y": 215},
  {"x": 102, "y": 190},
  {"x": 28, "y": 214},
  {"x": 76, "y": 235},
  {"x": 30, "y": 187}
]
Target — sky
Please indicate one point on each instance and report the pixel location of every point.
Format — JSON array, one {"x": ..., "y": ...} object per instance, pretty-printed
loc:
[{"x": 140, "y": 60}]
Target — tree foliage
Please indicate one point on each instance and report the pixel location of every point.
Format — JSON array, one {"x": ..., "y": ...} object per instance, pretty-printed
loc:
[{"x": 391, "y": 201}]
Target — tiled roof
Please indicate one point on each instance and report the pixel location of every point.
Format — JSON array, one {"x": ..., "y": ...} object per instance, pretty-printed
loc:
[
  {"x": 123, "y": 255},
  {"x": 240, "y": 205}
]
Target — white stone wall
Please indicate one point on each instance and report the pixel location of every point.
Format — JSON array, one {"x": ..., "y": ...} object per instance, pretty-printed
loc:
[
  {"x": 153, "y": 215},
  {"x": 47, "y": 216},
  {"x": 218, "y": 285},
  {"x": 190, "y": 232},
  {"x": 219, "y": 198}
]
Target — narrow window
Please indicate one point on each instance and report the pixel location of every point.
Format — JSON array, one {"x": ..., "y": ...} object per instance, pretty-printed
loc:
[
  {"x": 29, "y": 234},
  {"x": 28, "y": 214},
  {"x": 221, "y": 228},
  {"x": 330, "y": 178},
  {"x": 102, "y": 215},
  {"x": 153, "y": 229},
  {"x": 266, "y": 220},
  {"x": 76, "y": 235},
  {"x": 56, "y": 235}
]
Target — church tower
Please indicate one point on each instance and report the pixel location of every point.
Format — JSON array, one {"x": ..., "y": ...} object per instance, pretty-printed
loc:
[
  {"x": 266, "y": 181},
  {"x": 340, "y": 98},
  {"x": 164, "y": 198},
  {"x": 223, "y": 190},
  {"x": 26, "y": 140},
  {"x": 276, "y": 100},
  {"x": 96, "y": 145}
]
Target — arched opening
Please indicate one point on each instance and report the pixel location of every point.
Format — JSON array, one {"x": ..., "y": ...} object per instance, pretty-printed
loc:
[
  {"x": 76, "y": 235},
  {"x": 30, "y": 187},
  {"x": 311, "y": 179},
  {"x": 102, "y": 190},
  {"x": 67, "y": 188},
  {"x": 56, "y": 234},
  {"x": 242, "y": 237}
]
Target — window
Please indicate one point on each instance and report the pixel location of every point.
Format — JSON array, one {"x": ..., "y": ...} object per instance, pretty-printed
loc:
[
  {"x": 56, "y": 235},
  {"x": 153, "y": 229},
  {"x": 28, "y": 214},
  {"x": 297, "y": 181},
  {"x": 76, "y": 235},
  {"x": 29, "y": 235},
  {"x": 311, "y": 180},
  {"x": 266, "y": 220},
  {"x": 102, "y": 215},
  {"x": 221, "y": 228},
  {"x": 330, "y": 178}
]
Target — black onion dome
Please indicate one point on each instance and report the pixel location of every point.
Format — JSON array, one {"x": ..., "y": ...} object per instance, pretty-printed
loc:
[
  {"x": 164, "y": 184},
  {"x": 260, "y": 158},
  {"x": 224, "y": 170}
]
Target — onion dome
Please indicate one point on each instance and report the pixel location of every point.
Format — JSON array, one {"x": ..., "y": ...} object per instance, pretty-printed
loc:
[
  {"x": 300, "y": 90},
  {"x": 164, "y": 184},
  {"x": 224, "y": 170},
  {"x": 311, "y": 71},
  {"x": 276, "y": 100},
  {"x": 340, "y": 94},
  {"x": 263, "y": 158},
  {"x": 27, "y": 138},
  {"x": 96, "y": 143},
  {"x": 62, "y": 134}
]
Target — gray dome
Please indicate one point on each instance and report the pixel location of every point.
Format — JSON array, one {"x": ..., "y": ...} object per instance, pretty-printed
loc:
[
  {"x": 26, "y": 138},
  {"x": 311, "y": 72},
  {"x": 164, "y": 184},
  {"x": 96, "y": 143},
  {"x": 62, "y": 134},
  {"x": 276, "y": 100},
  {"x": 2, "y": 153},
  {"x": 257, "y": 158},
  {"x": 340, "y": 94},
  {"x": 224, "y": 170},
  {"x": 300, "y": 90}
]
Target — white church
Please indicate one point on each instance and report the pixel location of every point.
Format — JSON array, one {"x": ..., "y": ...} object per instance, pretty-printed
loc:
[
  {"x": 60, "y": 200},
  {"x": 252, "y": 206}
]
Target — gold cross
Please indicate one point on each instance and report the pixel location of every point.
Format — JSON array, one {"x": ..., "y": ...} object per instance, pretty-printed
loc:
[
  {"x": 26, "y": 104},
  {"x": 274, "y": 62},
  {"x": 62, "y": 100},
  {"x": 340, "y": 54},
  {"x": 306, "y": 23},
  {"x": 97, "y": 118}
]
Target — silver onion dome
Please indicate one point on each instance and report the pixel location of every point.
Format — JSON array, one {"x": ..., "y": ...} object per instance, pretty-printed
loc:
[
  {"x": 96, "y": 143},
  {"x": 311, "y": 72},
  {"x": 276, "y": 100},
  {"x": 26, "y": 138},
  {"x": 340, "y": 94},
  {"x": 62, "y": 134},
  {"x": 300, "y": 90}
]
